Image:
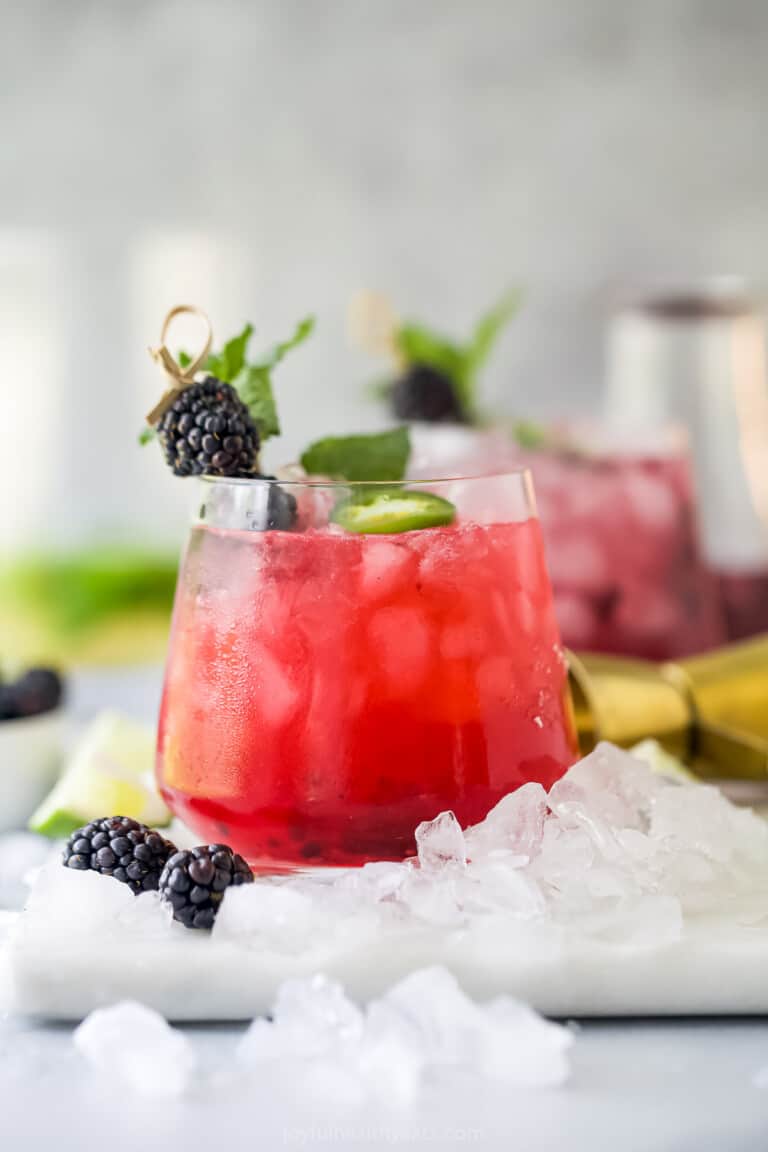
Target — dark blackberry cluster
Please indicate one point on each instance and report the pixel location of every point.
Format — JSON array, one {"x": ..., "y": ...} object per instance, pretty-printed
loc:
[
  {"x": 208, "y": 430},
  {"x": 424, "y": 393},
  {"x": 194, "y": 882},
  {"x": 281, "y": 508},
  {"x": 120, "y": 847},
  {"x": 34, "y": 692}
]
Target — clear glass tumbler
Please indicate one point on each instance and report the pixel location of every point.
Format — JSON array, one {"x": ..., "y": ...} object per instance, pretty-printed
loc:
[{"x": 326, "y": 689}]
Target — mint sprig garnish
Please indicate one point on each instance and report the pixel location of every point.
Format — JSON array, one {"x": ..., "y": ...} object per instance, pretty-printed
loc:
[
  {"x": 460, "y": 362},
  {"x": 226, "y": 365},
  {"x": 380, "y": 456},
  {"x": 488, "y": 329},
  {"x": 252, "y": 380}
]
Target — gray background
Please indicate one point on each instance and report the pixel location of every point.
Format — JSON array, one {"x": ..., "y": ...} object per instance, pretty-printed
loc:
[{"x": 271, "y": 157}]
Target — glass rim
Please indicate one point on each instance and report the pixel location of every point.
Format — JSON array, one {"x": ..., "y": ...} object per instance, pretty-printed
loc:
[{"x": 522, "y": 474}]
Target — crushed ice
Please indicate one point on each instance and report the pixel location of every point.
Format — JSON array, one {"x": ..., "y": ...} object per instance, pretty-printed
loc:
[
  {"x": 339, "y": 1053},
  {"x": 423, "y": 1023},
  {"x": 137, "y": 1047},
  {"x": 614, "y": 852}
]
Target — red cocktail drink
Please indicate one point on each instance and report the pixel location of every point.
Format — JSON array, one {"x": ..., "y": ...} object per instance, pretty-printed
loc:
[{"x": 326, "y": 690}]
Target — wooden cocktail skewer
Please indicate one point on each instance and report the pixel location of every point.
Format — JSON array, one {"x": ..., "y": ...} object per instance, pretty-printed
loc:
[{"x": 179, "y": 377}]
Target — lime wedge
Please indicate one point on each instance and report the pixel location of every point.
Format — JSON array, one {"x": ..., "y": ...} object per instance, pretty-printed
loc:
[
  {"x": 393, "y": 510},
  {"x": 110, "y": 773}
]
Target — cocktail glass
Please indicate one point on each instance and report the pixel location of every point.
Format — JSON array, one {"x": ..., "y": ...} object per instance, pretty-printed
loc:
[
  {"x": 623, "y": 551},
  {"x": 619, "y": 524},
  {"x": 327, "y": 690}
]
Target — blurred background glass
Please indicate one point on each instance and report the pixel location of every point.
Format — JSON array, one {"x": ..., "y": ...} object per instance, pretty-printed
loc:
[{"x": 270, "y": 158}]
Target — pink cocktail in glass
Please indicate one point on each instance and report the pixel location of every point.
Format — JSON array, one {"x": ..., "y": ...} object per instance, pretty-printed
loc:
[
  {"x": 623, "y": 553},
  {"x": 326, "y": 690},
  {"x": 620, "y": 533}
]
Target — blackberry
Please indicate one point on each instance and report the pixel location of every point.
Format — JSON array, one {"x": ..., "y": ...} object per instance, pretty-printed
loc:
[
  {"x": 8, "y": 708},
  {"x": 38, "y": 690},
  {"x": 425, "y": 393},
  {"x": 208, "y": 430},
  {"x": 194, "y": 882},
  {"x": 120, "y": 847},
  {"x": 281, "y": 508}
]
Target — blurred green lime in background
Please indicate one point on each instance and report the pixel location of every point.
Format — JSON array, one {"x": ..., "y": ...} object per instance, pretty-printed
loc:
[{"x": 98, "y": 606}]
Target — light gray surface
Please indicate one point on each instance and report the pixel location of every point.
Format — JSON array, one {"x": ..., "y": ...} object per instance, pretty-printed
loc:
[
  {"x": 638, "y": 1086},
  {"x": 667, "y": 1087}
]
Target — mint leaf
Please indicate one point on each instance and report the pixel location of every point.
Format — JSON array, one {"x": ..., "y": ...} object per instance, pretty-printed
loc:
[
  {"x": 229, "y": 363},
  {"x": 253, "y": 382},
  {"x": 419, "y": 345},
  {"x": 254, "y": 387},
  {"x": 302, "y": 332},
  {"x": 488, "y": 329},
  {"x": 147, "y": 435},
  {"x": 380, "y": 456}
]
